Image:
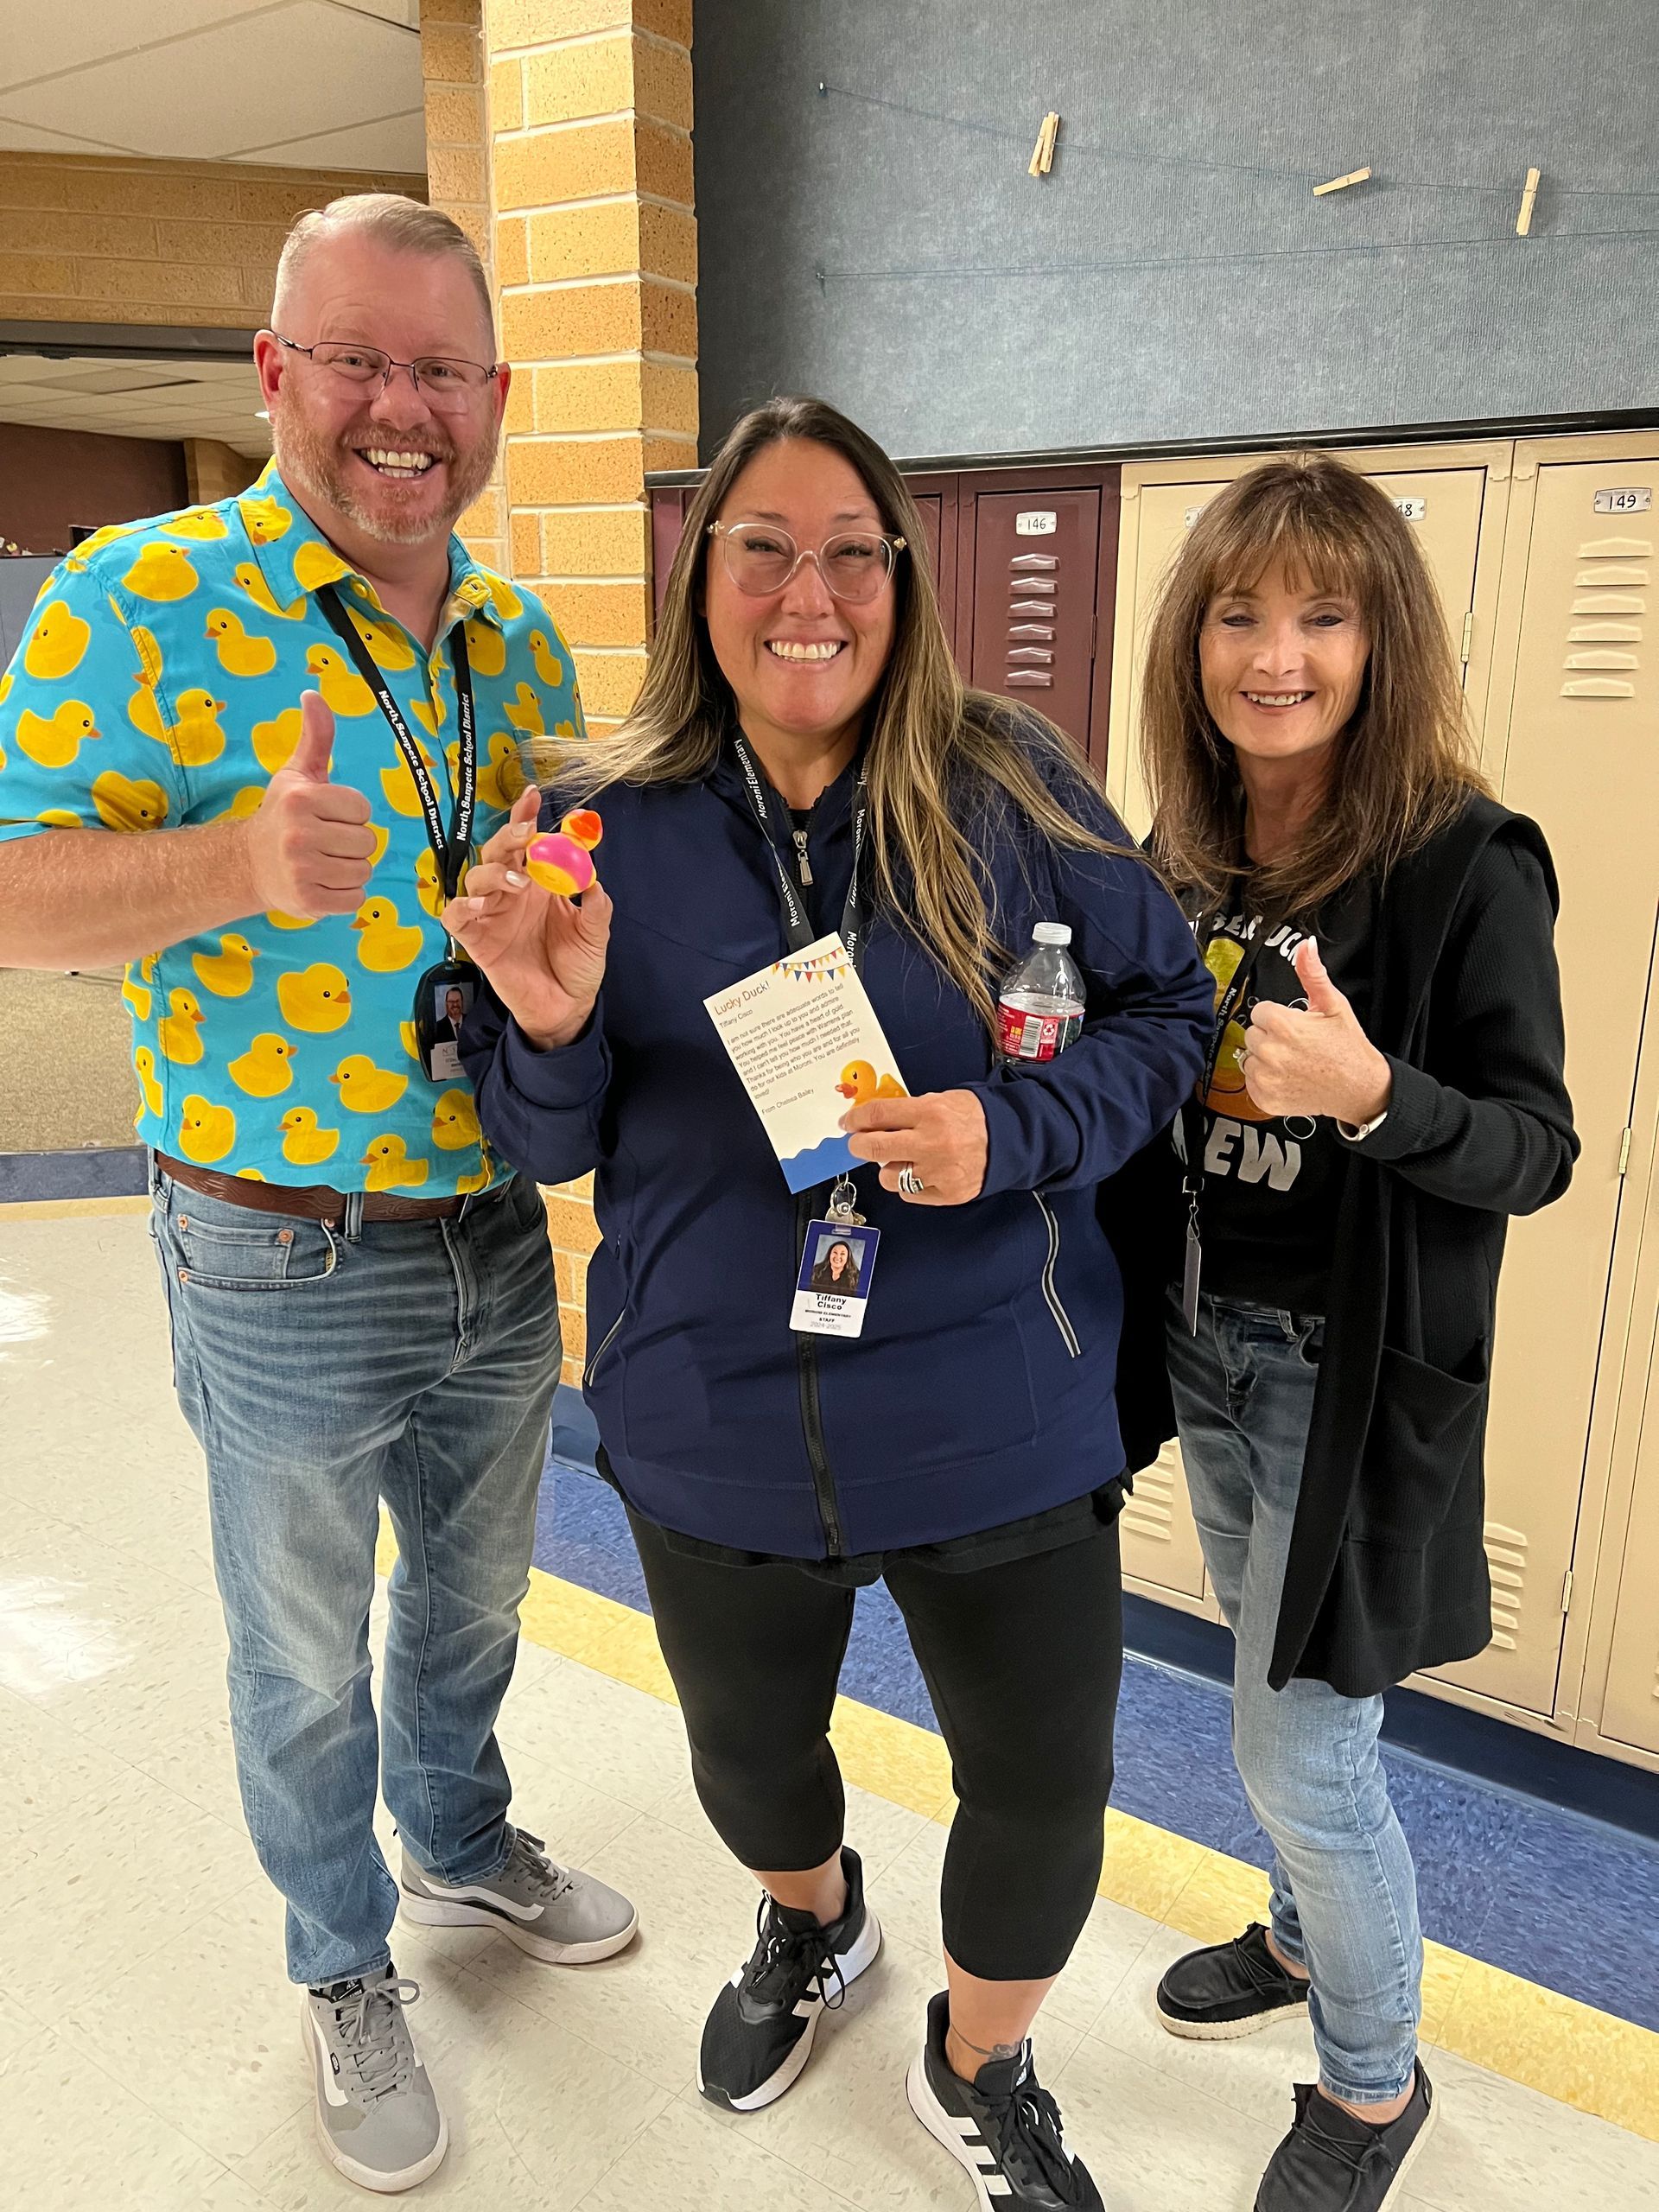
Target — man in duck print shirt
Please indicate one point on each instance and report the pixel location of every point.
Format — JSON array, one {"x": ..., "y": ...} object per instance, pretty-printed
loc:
[{"x": 199, "y": 779}]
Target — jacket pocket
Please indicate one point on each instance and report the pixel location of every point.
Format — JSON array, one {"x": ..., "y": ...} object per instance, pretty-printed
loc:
[
  {"x": 1061, "y": 1318},
  {"x": 1427, "y": 1424},
  {"x": 605, "y": 1342}
]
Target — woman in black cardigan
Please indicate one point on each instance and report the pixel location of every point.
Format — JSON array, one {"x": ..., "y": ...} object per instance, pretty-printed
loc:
[{"x": 1384, "y": 1090}]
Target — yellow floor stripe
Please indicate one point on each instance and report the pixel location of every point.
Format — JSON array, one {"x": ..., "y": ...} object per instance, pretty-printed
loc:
[
  {"x": 67, "y": 1209},
  {"x": 1569, "y": 2051}
]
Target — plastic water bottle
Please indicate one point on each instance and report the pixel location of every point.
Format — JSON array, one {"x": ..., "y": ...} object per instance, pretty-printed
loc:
[{"x": 1040, "y": 1006}]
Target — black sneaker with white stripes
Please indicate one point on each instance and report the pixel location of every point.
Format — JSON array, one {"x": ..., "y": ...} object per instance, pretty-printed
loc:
[
  {"x": 1002, "y": 2127},
  {"x": 758, "y": 2037}
]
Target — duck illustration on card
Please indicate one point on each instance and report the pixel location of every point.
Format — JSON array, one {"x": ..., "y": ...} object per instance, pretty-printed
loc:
[{"x": 805, "y": 1042}]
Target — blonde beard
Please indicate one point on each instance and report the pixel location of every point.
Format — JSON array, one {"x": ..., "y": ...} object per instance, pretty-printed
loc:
[{"x": 311, "y": 465}]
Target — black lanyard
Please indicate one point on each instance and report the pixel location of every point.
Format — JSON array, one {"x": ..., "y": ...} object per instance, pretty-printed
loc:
[
  {"x": 797, "y": 923},
  {"x": 450, "y": 848}
]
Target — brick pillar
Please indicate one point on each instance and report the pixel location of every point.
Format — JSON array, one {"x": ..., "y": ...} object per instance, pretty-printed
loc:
[
  {"x": 458, "y": 181},
  {"x": 596, "y": 260},
  {"x": 596, "y": 266}
]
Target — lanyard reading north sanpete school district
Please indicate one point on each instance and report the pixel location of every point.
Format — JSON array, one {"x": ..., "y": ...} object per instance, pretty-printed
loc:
[
  {"x": 439, "y": 1058},
  {"x": 1227, "y": 1011},
  {"x": 797, "y": 923},
  {"x": 450, "y": 848}
]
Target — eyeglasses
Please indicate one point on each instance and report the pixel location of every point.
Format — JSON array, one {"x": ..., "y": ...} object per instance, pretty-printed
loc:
[
  {"x": 448, "y": 386},
  {"x": 760, "y": 560}
]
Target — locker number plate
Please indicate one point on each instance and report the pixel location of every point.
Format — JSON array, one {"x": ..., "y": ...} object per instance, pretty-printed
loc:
[
  {"x": 1039, "y": 525},
  {"x": 1413, "y": 510},
  {"x": 1635, "y": 500}
]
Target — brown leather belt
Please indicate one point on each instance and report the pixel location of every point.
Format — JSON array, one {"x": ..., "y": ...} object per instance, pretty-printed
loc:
[{"x": 312, "y": 1202}]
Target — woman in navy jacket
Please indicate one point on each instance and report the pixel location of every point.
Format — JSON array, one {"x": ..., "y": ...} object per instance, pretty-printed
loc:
[{"x": 802, "y": 730}]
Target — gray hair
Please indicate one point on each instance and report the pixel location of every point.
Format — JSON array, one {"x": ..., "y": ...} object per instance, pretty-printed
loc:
[{"x": 401, "y": 225}]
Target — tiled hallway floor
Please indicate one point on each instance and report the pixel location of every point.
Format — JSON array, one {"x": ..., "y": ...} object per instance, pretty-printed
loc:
[{"x": 149, "y": 2055}]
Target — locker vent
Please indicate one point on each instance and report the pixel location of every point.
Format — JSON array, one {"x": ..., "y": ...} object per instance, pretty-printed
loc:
[
  {"x": 1150, "y": 1513},
  {"x": 1506, "y": 1557},
  {"x": 1612, "y": 557}
]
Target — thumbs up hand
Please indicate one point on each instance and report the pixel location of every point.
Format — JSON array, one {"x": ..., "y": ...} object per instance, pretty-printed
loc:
[
  {"x": 1317, "y": 1060},
  {"x": 310, "y": 848}
]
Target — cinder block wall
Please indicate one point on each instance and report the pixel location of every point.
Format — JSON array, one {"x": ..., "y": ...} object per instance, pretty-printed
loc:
[
  {"x": 576, "y": 115},
  {"x": 86, "y": 238}
]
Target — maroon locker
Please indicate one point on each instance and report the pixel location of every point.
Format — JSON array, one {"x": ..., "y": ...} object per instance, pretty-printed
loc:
[{"x": 1037, "y": 574}]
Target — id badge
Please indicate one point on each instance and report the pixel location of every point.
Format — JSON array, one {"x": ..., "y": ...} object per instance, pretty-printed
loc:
[
  {"x": 443, "y": 999},
  {"x": 833, "y": 1287}
]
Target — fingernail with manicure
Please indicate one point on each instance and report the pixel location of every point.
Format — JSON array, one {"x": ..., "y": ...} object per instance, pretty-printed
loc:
[{"x": 517, "y": 881}]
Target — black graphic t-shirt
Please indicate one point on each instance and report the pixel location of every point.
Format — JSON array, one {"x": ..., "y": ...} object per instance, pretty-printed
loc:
[{"x": 1268, "y": 1215}]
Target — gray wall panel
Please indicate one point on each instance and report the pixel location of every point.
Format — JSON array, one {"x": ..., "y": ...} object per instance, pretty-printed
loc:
[{"x": 884, "y": 246}]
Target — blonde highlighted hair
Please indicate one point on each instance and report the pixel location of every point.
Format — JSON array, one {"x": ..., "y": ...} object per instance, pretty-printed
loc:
[
  {"x": 1406, "y": 762},
  {"x": 942, "y": 761}
]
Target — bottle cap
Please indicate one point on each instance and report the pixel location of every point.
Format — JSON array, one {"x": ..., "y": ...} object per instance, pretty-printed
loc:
[{"x": 1052, "y": 933}]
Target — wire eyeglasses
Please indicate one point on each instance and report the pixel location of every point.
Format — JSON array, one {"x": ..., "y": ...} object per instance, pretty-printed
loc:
[
  {"x": 761, "y": 559},
  {"x": 446, "y": 386}
]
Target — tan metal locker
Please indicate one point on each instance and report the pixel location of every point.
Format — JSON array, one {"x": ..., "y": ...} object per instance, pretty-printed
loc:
[
  {"x": 1630, "y": 1711},
  {"x": 1161, "y": 1551},
  {"x": 1581, "y": 759}
]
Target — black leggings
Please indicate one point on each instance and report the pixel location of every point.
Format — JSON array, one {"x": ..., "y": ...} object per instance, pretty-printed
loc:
[{"x": 1022, "y": 1662}]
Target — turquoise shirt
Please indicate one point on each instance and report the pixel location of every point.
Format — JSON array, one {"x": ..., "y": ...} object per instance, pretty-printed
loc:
[{"x": 158, "y": 686}]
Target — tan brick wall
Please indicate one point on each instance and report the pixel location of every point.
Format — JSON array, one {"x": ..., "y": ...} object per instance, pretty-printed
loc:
[
  {"x": 594, "y": 242},
  {"x": 458, "y": 181},
  {"x": 87, "y": 238}
]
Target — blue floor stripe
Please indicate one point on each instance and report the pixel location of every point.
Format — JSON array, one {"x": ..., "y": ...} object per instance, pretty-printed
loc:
[
  {"x": 1547, "y": 1894},
  {"x": 120, "y": 1172}
]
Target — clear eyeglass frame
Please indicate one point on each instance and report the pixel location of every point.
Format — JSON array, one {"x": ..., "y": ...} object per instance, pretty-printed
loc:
[
  {"x": 442, "y": 381},
  {"x": 760, "y": 576}
]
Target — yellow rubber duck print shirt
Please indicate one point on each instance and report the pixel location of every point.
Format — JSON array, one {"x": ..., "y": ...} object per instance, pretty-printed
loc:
[{"x": 158, "y": 685}]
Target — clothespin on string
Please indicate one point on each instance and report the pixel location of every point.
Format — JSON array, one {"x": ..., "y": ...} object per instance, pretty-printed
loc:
[
  {"x": 1523, "y": 220},
  {"x": 1341, "y": 183},
  {"x": 1042, "y": 159}
]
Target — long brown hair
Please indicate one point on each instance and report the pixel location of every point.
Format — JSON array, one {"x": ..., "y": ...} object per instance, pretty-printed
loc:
[
  {"x": 937, "y": 755},
  {"x": 1404, "y": 765}
]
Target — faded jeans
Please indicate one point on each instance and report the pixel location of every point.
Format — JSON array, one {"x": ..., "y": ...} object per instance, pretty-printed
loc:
[
  {"x": 324, "y": 1370},
  {"x": 1345, "y": 1893}
]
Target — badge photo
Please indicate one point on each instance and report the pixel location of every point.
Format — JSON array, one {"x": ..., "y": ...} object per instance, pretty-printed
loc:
[
  {"x": 443, "y": 1000},
  {"x": 833, "y": 1288}
]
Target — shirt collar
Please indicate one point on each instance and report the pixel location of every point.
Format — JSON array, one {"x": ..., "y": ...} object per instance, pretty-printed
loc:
[{"x": 296, "y": 560}]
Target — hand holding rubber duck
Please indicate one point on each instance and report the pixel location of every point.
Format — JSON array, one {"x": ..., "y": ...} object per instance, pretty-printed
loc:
[{"x": 544, "y": 954}]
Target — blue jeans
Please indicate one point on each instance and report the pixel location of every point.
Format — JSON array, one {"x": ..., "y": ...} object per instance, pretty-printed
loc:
[
  {"x": 1345, "y": 1894},
  {"x": 323, "y": 1370}
]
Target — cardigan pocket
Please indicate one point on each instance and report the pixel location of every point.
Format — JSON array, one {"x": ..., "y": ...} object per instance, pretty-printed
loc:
[{"x": 1425, "y": 1434}]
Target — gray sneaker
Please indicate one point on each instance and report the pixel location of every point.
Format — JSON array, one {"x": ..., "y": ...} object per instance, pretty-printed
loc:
[
  {"x": 377, "y": 2116},
  {"x": 551, "y": 1911}
]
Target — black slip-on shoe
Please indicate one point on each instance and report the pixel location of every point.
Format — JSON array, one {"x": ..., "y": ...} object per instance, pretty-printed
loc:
[
  {"x": 1331, "y": 2161},
  {"x": 759, "y": 2036},
  {"x": 1002, "y": 2127},
  {"x": 1229, "y": 1990}
]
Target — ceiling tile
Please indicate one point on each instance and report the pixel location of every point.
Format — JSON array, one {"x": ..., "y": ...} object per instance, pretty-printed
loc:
[
  {"x": 397, "y": 142},
  {"x": 46, "y": 42},
  {"x": 28, "y": 139},
  {"x": 294, "y": 72}
]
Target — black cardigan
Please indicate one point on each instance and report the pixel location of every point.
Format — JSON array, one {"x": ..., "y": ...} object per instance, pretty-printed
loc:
[{"x": 1387, "y": 1571}]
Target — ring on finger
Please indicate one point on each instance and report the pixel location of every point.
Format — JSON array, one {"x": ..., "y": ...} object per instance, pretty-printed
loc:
[{"x": 911, "y": 1185}]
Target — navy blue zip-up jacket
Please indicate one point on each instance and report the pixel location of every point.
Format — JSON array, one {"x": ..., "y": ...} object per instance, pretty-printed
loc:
[{"x": 982, "y": 1389}]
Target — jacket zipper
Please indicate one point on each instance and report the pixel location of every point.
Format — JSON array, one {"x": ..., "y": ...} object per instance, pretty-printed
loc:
[
  {"x": 610, "y": 1339},
  {"x": 806, "y": 1357},
  {"x": 800, "y": 836},
  {"x": 1062, "y": 1318}
]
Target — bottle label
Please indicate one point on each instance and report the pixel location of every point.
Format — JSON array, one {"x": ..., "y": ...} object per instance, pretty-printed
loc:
[{"x": 1034, "y": 1036}]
